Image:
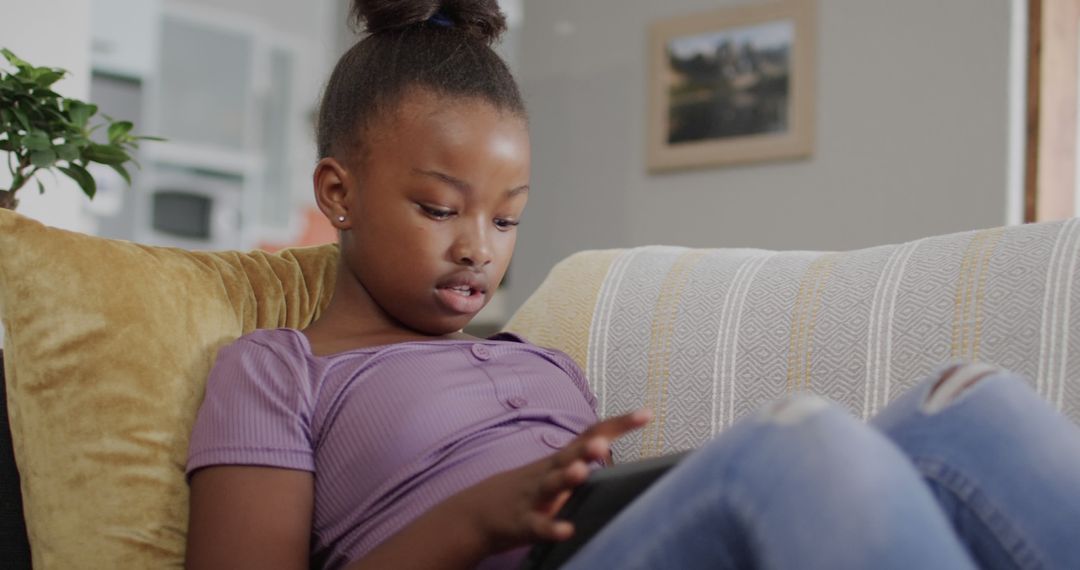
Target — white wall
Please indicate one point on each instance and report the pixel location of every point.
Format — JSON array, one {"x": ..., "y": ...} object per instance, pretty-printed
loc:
[
  {"x": 912, "y": 117},
  {"x": 52, "y": 33}
]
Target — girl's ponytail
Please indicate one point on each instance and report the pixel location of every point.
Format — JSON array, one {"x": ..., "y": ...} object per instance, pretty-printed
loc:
[{"x": 480, "y": 19}]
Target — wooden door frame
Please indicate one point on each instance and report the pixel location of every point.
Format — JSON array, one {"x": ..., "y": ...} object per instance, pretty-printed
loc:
[
  {"x": 1031, "y": 147},
  {"x": 1052, "y": 96}
]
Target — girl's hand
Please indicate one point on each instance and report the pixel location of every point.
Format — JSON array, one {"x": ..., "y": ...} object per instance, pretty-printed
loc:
[{"x": 518, "y": 507}]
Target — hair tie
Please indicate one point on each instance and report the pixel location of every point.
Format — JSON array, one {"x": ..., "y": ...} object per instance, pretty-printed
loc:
[{"x": 439, "y": 18}]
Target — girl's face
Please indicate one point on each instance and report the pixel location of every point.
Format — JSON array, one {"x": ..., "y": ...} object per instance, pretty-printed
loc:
[{"x": 433, "y": 207}]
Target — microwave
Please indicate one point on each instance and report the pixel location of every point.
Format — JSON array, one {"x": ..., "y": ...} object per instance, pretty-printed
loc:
[{"x": 191, "y": 208}]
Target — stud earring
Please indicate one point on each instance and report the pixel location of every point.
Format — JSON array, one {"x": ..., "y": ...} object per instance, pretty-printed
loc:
[{"x": 341, "y": 219}]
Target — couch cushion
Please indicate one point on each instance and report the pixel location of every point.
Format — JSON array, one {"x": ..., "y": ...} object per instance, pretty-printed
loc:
[
  {"x": 107, "y": 348},
  {"x": 704, "y": 336}
]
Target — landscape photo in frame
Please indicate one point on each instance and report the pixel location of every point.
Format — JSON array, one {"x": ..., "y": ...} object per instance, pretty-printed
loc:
[{"x": 732, "y": 86}]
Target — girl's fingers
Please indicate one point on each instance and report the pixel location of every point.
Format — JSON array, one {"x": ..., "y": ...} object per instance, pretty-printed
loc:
[
  {"x": 596, "y": 448},
  {"x": 563, "y": 479},
  {"x": 547, "y": 528},
  {"x": 618, "y": 425},
  {"x": 593, "y": 443}
]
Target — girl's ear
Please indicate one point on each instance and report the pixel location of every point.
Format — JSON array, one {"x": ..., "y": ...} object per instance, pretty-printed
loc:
[{"x": 332, "y": 192}]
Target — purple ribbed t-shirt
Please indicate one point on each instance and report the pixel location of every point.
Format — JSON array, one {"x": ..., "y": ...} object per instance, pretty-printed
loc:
[{"x": 388, "y": 431}]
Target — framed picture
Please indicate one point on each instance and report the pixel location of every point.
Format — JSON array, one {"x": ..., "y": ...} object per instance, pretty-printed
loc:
[{"x": 735, "y": 85}]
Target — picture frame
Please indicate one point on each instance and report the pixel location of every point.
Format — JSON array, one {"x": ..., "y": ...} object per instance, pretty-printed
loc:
[{"x": 734, "y": 85}]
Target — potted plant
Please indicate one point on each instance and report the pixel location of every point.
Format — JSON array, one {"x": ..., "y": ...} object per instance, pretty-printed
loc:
[{"x": 42, "y": 131}]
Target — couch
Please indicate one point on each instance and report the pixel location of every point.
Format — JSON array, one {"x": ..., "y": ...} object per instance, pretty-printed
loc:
[{"x": 704, "y": 336}]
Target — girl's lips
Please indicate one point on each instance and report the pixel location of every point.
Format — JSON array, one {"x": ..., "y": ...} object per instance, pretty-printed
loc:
[{"x": 457, "y": 301}]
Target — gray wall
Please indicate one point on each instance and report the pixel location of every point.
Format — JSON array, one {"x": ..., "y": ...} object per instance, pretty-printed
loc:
[{"x": 912, "y": 112}]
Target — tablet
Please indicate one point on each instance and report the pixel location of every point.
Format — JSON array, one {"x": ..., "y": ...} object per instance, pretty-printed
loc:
[{"x": 597, "y": 501}]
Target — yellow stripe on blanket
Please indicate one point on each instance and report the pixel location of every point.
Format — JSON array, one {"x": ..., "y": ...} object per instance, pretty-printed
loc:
[
  {"x": 970, "y": 292},
  {"x": 663, "y": 323},
  {"x": 803, "y": 317}
]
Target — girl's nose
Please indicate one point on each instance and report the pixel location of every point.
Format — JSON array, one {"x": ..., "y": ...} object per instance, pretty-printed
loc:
[
  {"x": 472, "y": 249},
  {"x": 478, "y": 257}
]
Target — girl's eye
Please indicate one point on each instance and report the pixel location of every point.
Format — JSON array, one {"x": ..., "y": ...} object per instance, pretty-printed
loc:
[
  {"x": 504, "y": 224},
  {"x": 437, "y": 213}
]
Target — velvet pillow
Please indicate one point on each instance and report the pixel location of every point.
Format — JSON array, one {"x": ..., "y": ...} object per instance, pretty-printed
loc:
[{"x": 107, "y": 347}]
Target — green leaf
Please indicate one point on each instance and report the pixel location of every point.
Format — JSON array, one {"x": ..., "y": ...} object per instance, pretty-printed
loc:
[
  {"x": 122, "y": 172},
  {"x": 67, "y": 151},
  {"x": 21, "y": 117},
  {"x": 13, "y": 59},
  {"x": 105, "y": 154},
  {"x": 43, "y": 158},
  {"x": 80, "y": 112},
  {"x": 119, "y": 129},
  {"x": 78, "y": 140},
  {"x": 47, "y": 77},
  {"x": 49, "y": 93},
  {"x": 81, "y": 177},
  {"x": 37, "y": 141}
]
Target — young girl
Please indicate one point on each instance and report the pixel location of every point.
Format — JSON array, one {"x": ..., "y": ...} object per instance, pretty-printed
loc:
[{"x": 383, "y": 437}]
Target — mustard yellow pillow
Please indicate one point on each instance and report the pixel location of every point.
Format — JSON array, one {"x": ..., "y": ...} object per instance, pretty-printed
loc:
[{"x": 107, "y": 348}]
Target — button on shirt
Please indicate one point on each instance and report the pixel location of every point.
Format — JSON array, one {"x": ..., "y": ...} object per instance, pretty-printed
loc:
[
  {"x": 389, "y": 431},
  {"x": 480, "y": 351}
]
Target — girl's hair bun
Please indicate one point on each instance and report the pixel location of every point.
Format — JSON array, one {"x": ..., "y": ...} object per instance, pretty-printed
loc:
[{"x": 481, "y": 19}]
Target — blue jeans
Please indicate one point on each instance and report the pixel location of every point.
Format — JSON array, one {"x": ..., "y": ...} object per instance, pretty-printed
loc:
[{"x": 974, "y": 473}]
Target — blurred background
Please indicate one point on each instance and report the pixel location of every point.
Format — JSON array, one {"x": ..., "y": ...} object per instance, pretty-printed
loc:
[{"x": 923, "y": 112}]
